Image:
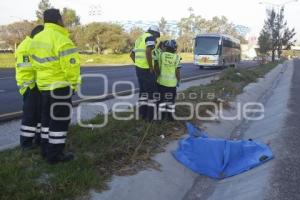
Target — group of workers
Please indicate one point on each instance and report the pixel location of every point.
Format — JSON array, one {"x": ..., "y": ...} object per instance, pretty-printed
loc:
[
  {"x": 48, "y": 74},
  {"x": 158, "y": 73}
]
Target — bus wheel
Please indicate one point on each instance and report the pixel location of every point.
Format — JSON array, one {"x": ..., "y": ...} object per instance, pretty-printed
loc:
[{"x": 201, "y": 67}]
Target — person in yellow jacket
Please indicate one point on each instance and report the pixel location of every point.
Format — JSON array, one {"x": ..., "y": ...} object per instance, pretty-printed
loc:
[
  {"x": 57, "y": 65},
  {"x": 26, "y": 81},
  {"x": 168, "y": 79},
  {"x": 143, "y": 60}
]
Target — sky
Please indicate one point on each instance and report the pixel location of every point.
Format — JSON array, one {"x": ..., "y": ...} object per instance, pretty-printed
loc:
[{"x": 249, "y": 13}]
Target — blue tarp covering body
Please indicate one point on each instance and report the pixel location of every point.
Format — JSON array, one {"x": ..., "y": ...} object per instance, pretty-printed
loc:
[{"x": 219, "y": 158}]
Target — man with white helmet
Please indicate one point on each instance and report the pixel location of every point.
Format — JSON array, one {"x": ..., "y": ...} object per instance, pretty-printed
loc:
[{"x": 142, "y": 57}]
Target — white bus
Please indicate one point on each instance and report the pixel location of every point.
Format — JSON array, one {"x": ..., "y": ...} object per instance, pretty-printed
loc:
[{"x": 216, "y": 50}]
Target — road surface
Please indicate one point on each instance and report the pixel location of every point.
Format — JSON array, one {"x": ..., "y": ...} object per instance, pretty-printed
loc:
[{"x": 11, "y": 101}]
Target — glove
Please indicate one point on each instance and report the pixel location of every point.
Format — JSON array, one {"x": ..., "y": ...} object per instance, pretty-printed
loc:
[{"x": 178, "y": 84}]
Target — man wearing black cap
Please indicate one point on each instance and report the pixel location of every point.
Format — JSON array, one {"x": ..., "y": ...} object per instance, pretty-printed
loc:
[{"x": 58, "y": 74}]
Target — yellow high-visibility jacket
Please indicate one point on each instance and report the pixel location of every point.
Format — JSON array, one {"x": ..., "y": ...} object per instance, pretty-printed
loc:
[
  {"x": 168, "y": 64},
  {"x": 25, "y": 74},
  {"x": 140, "y": 51},
  {"x": 55, "y": 59}
]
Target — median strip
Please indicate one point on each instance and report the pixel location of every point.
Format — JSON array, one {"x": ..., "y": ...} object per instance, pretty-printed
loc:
[{"x": 121, "y": 147}]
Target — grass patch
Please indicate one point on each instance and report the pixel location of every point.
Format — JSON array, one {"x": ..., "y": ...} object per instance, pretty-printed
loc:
[
  {"x": 121, "y": 147},
  {"x": 8, "y": 60}
]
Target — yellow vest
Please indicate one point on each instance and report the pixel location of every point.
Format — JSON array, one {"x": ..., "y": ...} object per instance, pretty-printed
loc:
[
  {"x": 168, "y": 63},
  {"x": 140, "y": 51},
  {"x": 25, "y": 74},
  {"x": 55, "y": 58}
]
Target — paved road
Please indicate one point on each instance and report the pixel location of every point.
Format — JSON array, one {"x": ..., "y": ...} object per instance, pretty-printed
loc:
[
  {"x": 285, "y": 179},
  {"x": 11, "y": 101}
]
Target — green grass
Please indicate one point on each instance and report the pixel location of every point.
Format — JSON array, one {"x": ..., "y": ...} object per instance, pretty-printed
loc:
[
  {"x": 7, "y": 60},
  {"x": 121, "y": 147}
]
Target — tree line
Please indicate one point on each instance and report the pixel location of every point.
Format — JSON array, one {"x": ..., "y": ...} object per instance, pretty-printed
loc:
[
  {"x": 275, "y": 36},
  {"x": 104, "y": 37}
]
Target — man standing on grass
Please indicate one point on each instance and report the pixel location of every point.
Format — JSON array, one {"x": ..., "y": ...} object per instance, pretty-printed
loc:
[
  {"x": 26, "y": 81},
  {"x": 58, "y": 74},
  {"x": 142, "y": 57}
]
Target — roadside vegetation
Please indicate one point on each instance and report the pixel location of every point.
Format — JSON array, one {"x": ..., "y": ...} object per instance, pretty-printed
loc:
[
  {"x": 8, "y": 60},
  {"x": 121, "y": 148}
]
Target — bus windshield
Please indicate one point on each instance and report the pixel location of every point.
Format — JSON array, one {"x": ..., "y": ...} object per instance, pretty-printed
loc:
[{"x": 207, "y": 45}]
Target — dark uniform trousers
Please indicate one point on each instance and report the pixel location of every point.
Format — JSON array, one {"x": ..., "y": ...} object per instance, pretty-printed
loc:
[
  {"x": 31, "y": 120},
  {"x": 147, "y": 94},
  {"x": 56, "y": 110},
  {"x": 166, "y": 105}
]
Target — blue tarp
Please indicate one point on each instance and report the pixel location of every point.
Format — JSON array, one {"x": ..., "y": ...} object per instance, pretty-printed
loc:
[{"x": 219, "y": 158}]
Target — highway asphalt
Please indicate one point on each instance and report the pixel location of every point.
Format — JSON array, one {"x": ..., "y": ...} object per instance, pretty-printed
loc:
[{"x": 11, "y": 101}]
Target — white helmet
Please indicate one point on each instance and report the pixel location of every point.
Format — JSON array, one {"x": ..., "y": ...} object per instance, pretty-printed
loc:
[{"x": 154, "y": 29}]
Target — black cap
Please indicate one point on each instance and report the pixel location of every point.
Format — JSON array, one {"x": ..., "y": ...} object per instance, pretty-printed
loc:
[
  {"x": 36, "y": 30},
  {"x": 52, "y": 15}
]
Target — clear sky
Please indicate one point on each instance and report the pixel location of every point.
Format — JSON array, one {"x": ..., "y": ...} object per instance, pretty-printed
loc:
[{"x": 243, "y": 12}]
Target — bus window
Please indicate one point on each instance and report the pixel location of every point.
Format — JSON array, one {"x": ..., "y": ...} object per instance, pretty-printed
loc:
[
  {"x": 227, "y": 43},
  {"x": 207, "y": 45}
]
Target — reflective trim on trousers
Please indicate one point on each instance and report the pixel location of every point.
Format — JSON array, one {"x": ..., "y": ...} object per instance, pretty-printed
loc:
[
  {"x": 27, "y": 134},
  {"x": 143, "y": 99},
  {"x": 170, "y": 110},
  {"x": 28, "y": 128},
  {"x": 57, "y": 134},
  {"x": 38, "y": 128},
  {"x": 57, "y": 141},
  {"x": 162, "y": 109},
  {"x": 171, "y": 106},
  {"x": 44, "y": 132},
  {"x": 44, "y": 136},
  {"x": 162, "y": 104},
  {"x": 45, "y": 129}
]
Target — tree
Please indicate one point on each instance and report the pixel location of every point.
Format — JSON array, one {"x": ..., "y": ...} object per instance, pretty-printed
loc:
[
  {"x": 163, "y": 26},
  {"x": 78, "y": 36},
  {"x": 105, "y": 36},
  {"x": 264, "y": 42},
  {"x": 284, "y": 34},
  {"x": 16, "y": 32},
  {"x": 43, "y": 5},
  {"x": 70, "y": 18},
  {"x": 190, "y": 26},
  {"x": 132, "y": 36},
  {"x": 279, "y": 35}
]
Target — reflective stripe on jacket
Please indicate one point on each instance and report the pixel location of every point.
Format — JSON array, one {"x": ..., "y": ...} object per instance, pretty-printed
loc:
[
  {"x": 55, "y": 58},
  {"x": 25, "y": 74}
]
